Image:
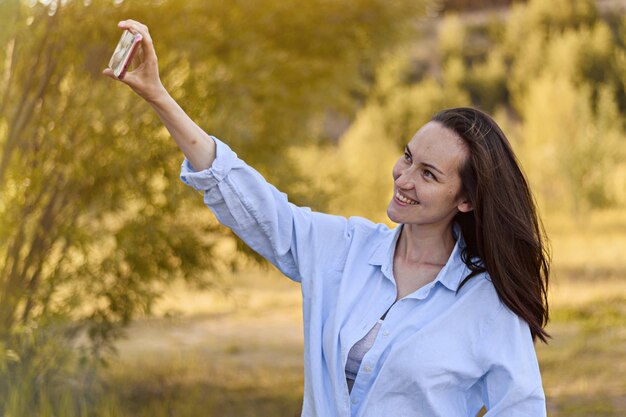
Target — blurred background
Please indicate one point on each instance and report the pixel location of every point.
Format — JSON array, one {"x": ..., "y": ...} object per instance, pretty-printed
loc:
[{"x": 121, "y": 295}]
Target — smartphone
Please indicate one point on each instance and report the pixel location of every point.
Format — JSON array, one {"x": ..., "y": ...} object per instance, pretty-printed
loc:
[{"x": 124, "y": 52}]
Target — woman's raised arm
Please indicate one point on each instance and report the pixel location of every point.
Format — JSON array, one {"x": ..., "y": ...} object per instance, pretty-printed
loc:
[
  {"x": 292, "y": 238},
  {"x": 194, "y": 142}
]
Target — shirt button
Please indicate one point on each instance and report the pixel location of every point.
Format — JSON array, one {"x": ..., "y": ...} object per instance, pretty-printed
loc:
[
  {"x": 367, "y": 369},
  {"x": 385, "y": 333},
  {"x": 355, "y": 400}
]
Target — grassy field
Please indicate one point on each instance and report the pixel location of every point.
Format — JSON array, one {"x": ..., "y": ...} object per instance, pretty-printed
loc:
[
  {"x": 240, "y": 353},
  {"x": 215, "y": 354}
]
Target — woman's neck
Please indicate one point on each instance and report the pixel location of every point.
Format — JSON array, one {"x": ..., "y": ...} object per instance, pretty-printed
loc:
[{"x": 425, "y": 245}]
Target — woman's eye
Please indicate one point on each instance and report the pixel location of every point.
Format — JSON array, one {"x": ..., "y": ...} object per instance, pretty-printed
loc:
[
  {"x": 429, "y": 174},
  {"x": 407, "y": 157}
]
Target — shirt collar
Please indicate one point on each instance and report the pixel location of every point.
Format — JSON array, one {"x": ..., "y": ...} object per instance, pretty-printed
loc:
[{"x": 450, "y": 275}]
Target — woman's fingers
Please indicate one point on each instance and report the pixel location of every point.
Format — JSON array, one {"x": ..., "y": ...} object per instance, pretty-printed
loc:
[
  {"x": 140, "y": 28},
  {"x": 109, "y": 73}
]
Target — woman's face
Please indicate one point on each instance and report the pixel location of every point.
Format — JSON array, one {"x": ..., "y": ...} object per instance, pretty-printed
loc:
[{"x": 427, "y": 184}]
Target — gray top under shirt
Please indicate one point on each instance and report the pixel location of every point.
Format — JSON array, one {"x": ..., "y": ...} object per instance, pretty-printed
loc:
[{"x": 355, "y": 356}]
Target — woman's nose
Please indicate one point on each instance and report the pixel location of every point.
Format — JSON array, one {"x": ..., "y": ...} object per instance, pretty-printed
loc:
[{"x": 404, "y": 180}]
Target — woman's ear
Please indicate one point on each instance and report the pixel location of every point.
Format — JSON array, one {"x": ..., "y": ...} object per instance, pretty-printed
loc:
[{"x": 465, "y": 206}]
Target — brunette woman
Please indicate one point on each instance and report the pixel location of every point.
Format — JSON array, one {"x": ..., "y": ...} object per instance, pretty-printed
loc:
[{"x": 436, "y": 317}]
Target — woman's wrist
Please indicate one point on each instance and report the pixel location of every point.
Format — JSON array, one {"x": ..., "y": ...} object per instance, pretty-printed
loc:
[{"x": 159, "y": 97}]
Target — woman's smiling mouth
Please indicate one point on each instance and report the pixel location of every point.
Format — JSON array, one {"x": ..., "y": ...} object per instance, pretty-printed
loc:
[{"x": 404, "y": 199}]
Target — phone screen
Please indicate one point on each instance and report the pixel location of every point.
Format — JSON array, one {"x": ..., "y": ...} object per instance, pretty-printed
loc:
[{"x": 123, "y": 53}]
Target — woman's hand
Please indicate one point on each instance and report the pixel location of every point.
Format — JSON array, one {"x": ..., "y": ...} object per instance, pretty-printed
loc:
[{"x": 144, "y": 78}]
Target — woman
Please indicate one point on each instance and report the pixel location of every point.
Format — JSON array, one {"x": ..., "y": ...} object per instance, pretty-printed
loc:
[{"x": 436, "y": 317}]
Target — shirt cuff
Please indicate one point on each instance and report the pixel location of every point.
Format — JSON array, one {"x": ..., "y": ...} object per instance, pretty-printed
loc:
[{"x": 225, "y": 160}]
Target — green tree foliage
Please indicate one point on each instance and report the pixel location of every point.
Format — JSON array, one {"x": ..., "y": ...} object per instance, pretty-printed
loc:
[
  {"x": 554, "y": 71},
  {"x": 451, "y": 36},
  {"x": 570, "y": 149},
  {"x": 93, "y": 218},
  {"x": 567, "y": 67}
]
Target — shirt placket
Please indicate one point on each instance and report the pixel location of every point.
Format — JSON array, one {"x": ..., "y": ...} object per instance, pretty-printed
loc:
[{"x": 370, "y": 365}]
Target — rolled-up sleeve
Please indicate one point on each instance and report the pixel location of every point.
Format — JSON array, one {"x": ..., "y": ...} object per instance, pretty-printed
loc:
[
  {"x": 205, "y": 180},
  {"x": 261, "y": 215},
  {"x": 512, "y": 384}
]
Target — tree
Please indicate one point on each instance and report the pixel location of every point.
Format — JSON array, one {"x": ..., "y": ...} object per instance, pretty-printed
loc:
[{"x": 92, "y": 216}]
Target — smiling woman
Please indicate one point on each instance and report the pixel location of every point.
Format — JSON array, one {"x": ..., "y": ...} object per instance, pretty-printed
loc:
[
  {"x": 431, "y": 181},
  {"x": 435, "y": 317}
]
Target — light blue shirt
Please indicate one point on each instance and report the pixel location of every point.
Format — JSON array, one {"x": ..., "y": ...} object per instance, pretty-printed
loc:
[{"x": 438, "y": 353}]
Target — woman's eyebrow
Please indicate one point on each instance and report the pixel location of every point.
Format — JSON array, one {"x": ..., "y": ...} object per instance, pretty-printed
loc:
[{"x": 431, "y": 166}]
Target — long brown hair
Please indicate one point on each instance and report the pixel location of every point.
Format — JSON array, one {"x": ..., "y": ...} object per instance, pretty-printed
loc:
[{"x": 503, "y": 233}]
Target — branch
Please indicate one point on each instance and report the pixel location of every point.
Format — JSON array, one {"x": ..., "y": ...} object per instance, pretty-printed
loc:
[
  {"x": 14, "y": 285},
  {"x": 34, "y": 282},
  {"x": 10, "y": 63},
  {"x": 24, "y": 110}
]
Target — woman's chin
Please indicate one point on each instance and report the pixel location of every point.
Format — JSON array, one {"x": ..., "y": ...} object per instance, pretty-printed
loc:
[{"x": 393, "y": 216}]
